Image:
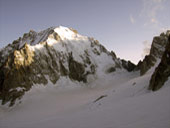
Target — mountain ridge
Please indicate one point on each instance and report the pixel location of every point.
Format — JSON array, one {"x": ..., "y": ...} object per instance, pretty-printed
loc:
[
  {"x": 38, "y": 58},
  {"x": 47, "y": 56},
  {"x": 157, "y": 49}
]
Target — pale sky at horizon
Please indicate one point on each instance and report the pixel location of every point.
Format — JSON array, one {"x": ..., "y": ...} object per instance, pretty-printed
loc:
[{"x": 120, "y": 25}]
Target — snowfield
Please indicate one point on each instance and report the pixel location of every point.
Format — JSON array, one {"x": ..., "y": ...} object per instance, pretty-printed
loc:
[{"x": 120, "y": 100}]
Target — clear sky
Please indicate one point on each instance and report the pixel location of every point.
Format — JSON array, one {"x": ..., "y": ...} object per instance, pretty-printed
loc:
[{"x": 124, "y": 26}]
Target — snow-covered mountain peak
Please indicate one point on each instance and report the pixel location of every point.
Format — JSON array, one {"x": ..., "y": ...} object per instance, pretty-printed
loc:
[
  {"x": 50, "y": 34},
  {"x": 53, "y": 54},
  {"x": 66, "y": 33}
]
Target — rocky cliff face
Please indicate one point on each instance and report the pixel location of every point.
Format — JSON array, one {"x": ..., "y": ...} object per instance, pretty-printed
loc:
[
  {"x": 40, "y": 58},
  {"x": 157, "y": 49},
  {"x": 162, "y": 72}
]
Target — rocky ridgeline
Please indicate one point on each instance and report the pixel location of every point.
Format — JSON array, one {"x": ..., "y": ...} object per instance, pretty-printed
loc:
[
  {"x": 157, "y": 49},
  {"x": 162, "y": 72},
  {"x": 38, "y": 58},
  {"x": 160, "y": 51}
]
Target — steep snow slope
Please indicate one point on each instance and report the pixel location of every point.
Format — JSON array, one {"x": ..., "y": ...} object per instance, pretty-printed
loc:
[{"x": 126, "y": 103}]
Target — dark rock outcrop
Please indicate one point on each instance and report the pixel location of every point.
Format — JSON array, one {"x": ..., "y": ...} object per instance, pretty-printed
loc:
[
  {"x": 162, "y": 72},
  {"x": 128, "y": 65}
]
